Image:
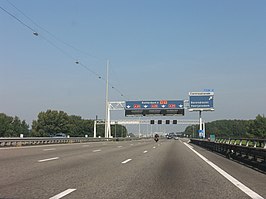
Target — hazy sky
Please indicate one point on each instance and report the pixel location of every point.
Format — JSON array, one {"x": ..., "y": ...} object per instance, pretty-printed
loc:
[{"x": 157, "y": 50}]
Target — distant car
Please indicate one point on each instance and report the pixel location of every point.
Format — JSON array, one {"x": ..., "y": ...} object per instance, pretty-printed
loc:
[
  {"x": 169, "y": 137},
  {"x": 60, "y": 135}
]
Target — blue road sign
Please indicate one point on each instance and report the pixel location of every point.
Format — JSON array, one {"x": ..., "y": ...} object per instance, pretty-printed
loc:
[
  {"x": 154, "y": 107},
  {"x": 155, "y": 104},
  {"x": 201, "y": 100},
  {"x": 201, "y": 133}
]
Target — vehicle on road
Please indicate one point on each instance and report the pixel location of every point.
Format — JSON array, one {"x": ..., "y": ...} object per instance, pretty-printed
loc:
[
  {"x": 176, "y": 138},
  {"x": 59, "y": 135},
  {"x": 156, "y": 137}
]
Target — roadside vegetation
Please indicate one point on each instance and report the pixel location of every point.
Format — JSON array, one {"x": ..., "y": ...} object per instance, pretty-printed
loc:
[
  {"x": 233, "y": 128},
  {"x": 51, "y": 123},
  {"x": 54, "y": 122},
  {"x": 12, "y": 126}
]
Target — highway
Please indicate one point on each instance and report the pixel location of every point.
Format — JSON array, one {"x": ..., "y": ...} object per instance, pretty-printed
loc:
[{"x": 129, "y": 169}]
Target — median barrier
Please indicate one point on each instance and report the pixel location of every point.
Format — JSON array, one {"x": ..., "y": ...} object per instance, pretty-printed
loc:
[
  {"x": 17, "y": 142},
  {"x": 251, "y": 154}
]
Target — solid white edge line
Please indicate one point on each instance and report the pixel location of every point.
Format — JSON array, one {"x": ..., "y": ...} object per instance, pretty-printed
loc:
[
  {"x": 126, "y": 161},
  {"x": 48, "y": 159},
  {"x": 62, "y": 194},
  {"x": 234, "y": 181}
]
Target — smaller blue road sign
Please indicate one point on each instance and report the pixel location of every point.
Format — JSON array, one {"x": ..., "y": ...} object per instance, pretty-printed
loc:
[
  {"x": 201, "y": 133},
  {"x": 201, "y": 101}
]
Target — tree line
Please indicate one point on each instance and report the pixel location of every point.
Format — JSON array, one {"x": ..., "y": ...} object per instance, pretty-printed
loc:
[
  {"x": 12, "y": 126},
  {"x": 233, "y": 128},
  {"x": 52, "y": 122}
]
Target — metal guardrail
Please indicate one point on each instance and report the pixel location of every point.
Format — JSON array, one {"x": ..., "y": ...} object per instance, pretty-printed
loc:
[
  {"x": 249, "y": 142},
  {"x": 11, "y": 142},
  {"x": 253, "y": 155}
]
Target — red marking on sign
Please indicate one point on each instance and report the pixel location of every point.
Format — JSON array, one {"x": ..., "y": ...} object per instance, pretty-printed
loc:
[
  {"x": 136, "y": 106},
  {"x": 172, "y": 106},
  {"x": 154, "y": 106},
  {"x": 163, "y": 102}
]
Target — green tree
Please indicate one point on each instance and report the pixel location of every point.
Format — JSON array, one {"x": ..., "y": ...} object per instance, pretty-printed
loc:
[
  {"x": 234, "y": 128},
  {"x": 80, "y": 127},
  {"x": 12, "y": 127},
  {"x": 100, "y": 130},
  {"x": 192, "y": 130},
  {"x": 118, "y": 130},
  {"x": 5, "y": 125},
  {"x": 50, "y": 123},
  {"x": 19, "y": 127},
  {"x": 257, "y": 127}
]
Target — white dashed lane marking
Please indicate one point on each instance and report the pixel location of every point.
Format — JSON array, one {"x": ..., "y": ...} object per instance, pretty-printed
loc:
[
  {"x": 48, "y": 159},
  {"x": 126, "y": 161},
  {"x": 51, "y": 149},
  {"x": 98, "y": 150},
  {"x": 62, "y": 194},
  {"x": 145, "y": 151}
]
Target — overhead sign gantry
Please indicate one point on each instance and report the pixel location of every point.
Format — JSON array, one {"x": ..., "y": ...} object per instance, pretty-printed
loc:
[
  {"x": 154, "y": 107},
  {"x": 198, "y": 101}
]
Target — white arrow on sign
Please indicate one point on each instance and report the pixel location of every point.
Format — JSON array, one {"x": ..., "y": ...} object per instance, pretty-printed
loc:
[
  {"x": 210, "y": 98},
  {"x": 180, "y": 105},
  {"x": 128, "y": 106},
  {"x": 163, "y": 106},
  {"x": 145, "y": 106}
]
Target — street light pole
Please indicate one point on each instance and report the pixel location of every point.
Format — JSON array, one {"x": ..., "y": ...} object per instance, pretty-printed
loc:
[{"x": 107, "y": 113}]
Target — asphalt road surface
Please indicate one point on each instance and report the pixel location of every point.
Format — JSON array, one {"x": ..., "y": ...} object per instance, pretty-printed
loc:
[{"x": 134, "y": 169}]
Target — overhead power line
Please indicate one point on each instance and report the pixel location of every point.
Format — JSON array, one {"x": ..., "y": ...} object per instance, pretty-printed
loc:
[
  {"x": 56, "y": 46},
  {"x": 24, "y": 24},
  {"x": 52, "y": 35}
]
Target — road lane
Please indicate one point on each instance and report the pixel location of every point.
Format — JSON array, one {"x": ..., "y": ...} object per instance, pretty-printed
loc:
[
  {"x": 19, "y": 171},
  {"x": 233, "y": 180},
  {"x": 248, "y": 176},
  {"x": 171, "y": 170}
]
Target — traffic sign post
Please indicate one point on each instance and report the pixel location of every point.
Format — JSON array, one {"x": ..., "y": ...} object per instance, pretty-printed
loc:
[{"x": 201, "y": 101}]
